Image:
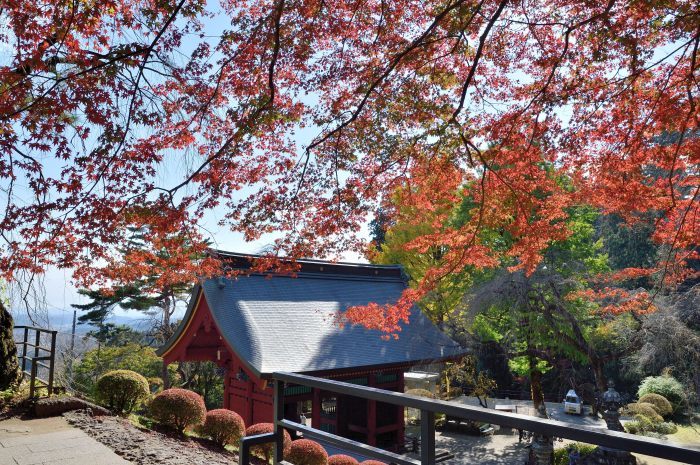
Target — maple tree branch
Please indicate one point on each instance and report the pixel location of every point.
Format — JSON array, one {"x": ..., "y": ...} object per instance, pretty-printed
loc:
[
  {"x": 477, "y": 57},
  {"x": 275, "y": 51},
  {"x": 113, "y": 58},
  {"x": 416, "y": 43}
]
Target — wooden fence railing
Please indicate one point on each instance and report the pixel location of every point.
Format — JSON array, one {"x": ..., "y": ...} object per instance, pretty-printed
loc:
[
  {"x": 31, "y": 353},
  {"x": 429, "y": 407}
]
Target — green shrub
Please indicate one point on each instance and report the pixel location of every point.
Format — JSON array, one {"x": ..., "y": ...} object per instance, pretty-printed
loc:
[
  {"x": 265, "y": 450},
  {"x": 134, "y": 357},
  {"x": 662, "y": 406},
  {"x": 561, "y": 455},
  {"x": 421, "y": 393},
  {"x": 155, "y": 384},
  {"x": 223, "y": 426},
  {"x": 178, "y": 408},
  {"x": 121, "y": 390},
  {"x": 646, "y": 410},
  {"x": 632, "y": 427},
  {"x": 666, "y": 386},
  {"x": 666, "y": 427},
  {"x": 640, "y": 425},
  {"x": 341, "y": 459},
  {"x": 307, "y": 452}
]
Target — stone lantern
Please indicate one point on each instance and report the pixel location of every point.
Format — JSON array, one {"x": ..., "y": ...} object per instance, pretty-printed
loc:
[{"x": 611, "y": 402}]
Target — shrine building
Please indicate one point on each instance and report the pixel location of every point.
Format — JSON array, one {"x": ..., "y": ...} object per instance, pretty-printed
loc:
[{"x": 256, "y": 324}]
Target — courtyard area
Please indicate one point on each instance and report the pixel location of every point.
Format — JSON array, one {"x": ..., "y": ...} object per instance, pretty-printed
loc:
[{"x": 51, "y": 441}]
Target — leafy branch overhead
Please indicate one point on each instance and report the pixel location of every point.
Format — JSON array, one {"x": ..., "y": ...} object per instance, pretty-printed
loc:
[{"x": 298, "y": 118}]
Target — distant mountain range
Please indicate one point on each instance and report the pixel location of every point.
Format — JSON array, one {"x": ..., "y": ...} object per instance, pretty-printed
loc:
[{"x": 62, "y": 321}]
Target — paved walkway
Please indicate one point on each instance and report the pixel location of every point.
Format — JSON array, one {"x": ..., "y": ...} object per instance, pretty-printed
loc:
[{"x": 51, "y": 441}]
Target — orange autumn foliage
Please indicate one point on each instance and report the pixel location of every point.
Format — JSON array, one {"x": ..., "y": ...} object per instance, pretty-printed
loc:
[{"x": 299, "y": 118}]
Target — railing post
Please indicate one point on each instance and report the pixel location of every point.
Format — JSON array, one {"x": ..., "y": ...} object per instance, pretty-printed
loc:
[
  {"x": 52, "y": 362},
  {"x": 279, "y": 416},
  {"x": 244, "y": 453},
  {"x": 427, "y": 437},
  {"x": 32, "y": 380},
  {"x": 37, "y": 343},
  {"x": 24, "y": 351}
]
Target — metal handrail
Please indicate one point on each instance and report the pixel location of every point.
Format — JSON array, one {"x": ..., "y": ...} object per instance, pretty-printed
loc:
[
  {"x": 35, "y": 328},
  {"x": 35, "y": 360},
  {"x": 429, "y": 407}
]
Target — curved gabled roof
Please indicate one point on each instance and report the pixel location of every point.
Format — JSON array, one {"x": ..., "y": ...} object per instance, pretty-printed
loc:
[{"x": 286, "y": 323}]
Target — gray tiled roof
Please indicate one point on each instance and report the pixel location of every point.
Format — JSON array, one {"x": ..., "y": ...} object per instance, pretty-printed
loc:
[{"x": 286, "y": 324}]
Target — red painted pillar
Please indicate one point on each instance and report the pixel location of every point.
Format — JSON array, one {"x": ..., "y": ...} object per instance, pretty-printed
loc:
[
  {"x": 371, "y": 414},
  {"x": 250, "y": 402},
  {"x": 316, "y": 409}
]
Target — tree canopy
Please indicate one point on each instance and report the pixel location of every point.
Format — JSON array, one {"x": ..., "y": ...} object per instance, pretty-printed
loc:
[{"x": 300, "y": 117}]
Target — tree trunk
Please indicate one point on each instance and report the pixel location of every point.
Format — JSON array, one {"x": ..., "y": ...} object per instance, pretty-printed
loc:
[
  {"x": 600, "y": 382},
  {"x": 536, "y": 386},
  {"x": 9, "y": 367},
  {"x": 166, "y": 333}
]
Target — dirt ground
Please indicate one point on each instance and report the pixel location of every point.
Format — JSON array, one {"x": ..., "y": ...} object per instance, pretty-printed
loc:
[{"x": 145, "y": 447}]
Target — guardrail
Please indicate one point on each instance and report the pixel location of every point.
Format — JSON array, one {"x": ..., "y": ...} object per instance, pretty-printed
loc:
[
  {"x": 429, "y": 407},
  {"x": 36, "y": 361}
]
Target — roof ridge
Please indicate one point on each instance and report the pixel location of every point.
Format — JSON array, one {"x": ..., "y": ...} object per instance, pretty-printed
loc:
[{"x": 306, "y": 260}]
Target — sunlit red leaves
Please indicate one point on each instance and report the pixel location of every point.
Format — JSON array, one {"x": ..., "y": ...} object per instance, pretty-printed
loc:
[
  {"x": 616, "y": 301},
  {"x": 106, "y": 106}
]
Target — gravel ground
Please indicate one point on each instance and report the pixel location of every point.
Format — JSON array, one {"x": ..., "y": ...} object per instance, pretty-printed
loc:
[{"x": 146, "y": 447}]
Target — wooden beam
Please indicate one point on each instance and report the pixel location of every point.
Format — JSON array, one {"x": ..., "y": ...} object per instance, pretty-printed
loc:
[{"x": 316, "y": 409}]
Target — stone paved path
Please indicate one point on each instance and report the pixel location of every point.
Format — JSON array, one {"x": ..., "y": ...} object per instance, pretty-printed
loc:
[{"x": 51, "y": 441}]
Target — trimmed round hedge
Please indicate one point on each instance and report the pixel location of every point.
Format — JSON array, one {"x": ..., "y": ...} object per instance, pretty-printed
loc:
[
  {"x": 178, "y": 409},
  {"x": 662, "y": 406},
  {"x": 307, "y": 452},
  {"x": 121, "y": 390},
  {"x": 265, "y": 450},
  {"x": 223, "y": 426},
  {"x": 666, "y": 386},
  {"x": 341, "y": 459},
  {"x": 646, "y": 410}
]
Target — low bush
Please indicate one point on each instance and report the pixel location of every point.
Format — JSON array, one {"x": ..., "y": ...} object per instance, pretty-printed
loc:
[
  {"x": 341, "y": 459},
  {"x": 178, "y": 409},
  {"x": 640, "y": 425},
  {"x": 646, "y": 410},
  {"x": 307, "y": 452},
  {"x": 662, "y": 406},
  {"x": 421, "y": 393},
  {"x": 265, "y": 450},
  {"x": 372, "y": 462},
  {"x": 561, "y": 456},
  {"x": 121, "y": 390},
  {"x": 666, "y": 427},
  {"x": 134, "y": 357},
  {"x": 666, "y": 386},
  {"x": 643, "y": 426},
  {"x": 223, "y": 427}
]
